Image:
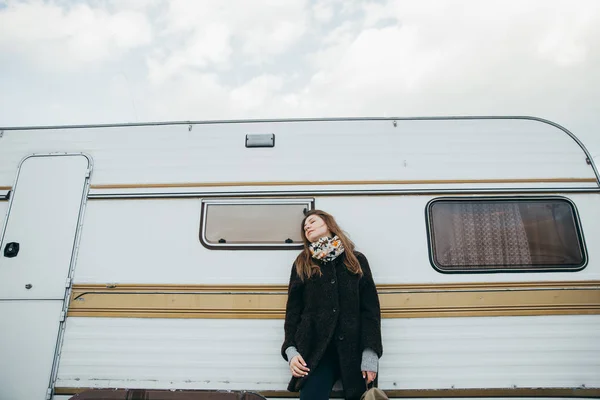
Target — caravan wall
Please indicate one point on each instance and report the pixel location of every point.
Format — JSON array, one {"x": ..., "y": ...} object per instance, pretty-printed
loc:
[{"x": 482, "y": 235}]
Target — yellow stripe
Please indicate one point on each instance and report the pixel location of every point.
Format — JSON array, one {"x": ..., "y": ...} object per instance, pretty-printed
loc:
[
  {"x": 4, "y": 188},
  {"x": 334, "y": 183},
  {"x": 327, "y": 183},
  {"x": 351, "y": 182},
  {"x": 466, "y": 393},
  {"x": 140, "y": 287},
  {"x": 397, "y": 301}
]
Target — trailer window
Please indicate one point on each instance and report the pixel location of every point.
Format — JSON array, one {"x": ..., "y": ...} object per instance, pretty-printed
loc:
[
  {"x": 493, "y": 235},
  {"x": 253, "y": 224}
]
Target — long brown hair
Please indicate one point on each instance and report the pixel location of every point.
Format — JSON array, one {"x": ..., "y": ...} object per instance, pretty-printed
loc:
[{"x": 305, "y": 267}]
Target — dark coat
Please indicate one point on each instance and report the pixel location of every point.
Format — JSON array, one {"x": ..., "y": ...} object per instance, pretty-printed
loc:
[{"x": 338, "y": 306}]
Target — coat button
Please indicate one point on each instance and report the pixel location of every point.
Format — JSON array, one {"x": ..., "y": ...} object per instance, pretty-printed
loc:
[
  {"x": 335, "y": 310},
  {"x": 332, "y": 281},
  {"x": 341, "y": 337}
]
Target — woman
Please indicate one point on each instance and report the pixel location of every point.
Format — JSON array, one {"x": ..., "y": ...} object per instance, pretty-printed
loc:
[{"x": 332, "y": 321}]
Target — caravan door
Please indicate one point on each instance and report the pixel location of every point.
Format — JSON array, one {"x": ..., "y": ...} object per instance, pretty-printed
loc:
[{"x": 37, "y": 250}]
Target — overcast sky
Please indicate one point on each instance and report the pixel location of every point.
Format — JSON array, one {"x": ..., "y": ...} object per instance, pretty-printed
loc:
[{"x": 110, "y": 61}]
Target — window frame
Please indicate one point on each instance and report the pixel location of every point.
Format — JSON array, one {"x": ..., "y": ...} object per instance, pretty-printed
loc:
[
  {"x": 492, "y": 270},
  {"x": 309, "y": 203}
]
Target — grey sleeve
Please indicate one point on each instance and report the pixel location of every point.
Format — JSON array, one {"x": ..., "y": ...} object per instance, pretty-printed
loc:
[
  {"x": 291, "y": 352},
  {"x": 370, "y": 361}
]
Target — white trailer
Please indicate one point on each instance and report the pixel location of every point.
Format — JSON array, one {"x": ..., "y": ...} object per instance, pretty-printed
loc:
[{"x": 156, "y": 256}]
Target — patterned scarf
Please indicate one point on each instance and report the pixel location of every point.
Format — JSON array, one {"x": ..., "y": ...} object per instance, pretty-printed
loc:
[{"x": 326, "y": 249}]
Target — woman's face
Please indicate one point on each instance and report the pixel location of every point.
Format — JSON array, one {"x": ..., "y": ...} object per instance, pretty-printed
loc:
[{"x": 315, "y": 228}]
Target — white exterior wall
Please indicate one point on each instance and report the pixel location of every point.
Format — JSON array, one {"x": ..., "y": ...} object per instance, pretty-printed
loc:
[
  {"x": 156, "y": 242},
  {"x": 339, "y": 150},
  {"x": 3, "y": 210},
  {"x": 430, "y": 353},
  {"x": 27, "y": 343}
]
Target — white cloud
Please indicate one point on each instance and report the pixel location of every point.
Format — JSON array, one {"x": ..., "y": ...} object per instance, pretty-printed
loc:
[
  {"x": 260, "y": 42},
  {"x": 378, "y": 57},
  {"x": 335, "y": 44},
  {"x": 207, "y": 47},
  {"x": 262, "y": 27},
  {"x": 256, "y": 93},
  {"x": 323, "y": 10},
  {"x": 271, "y": 59},
  {"x": 433, "y": 57},
  {"x": 197, "y": 95},
  {"x": 71, "y": 37},
  {"x": 203, "y": 34},
  {"x": 564, "y": 41},
  {"x": 189, "y": 95},
  {"x": 139, "y": 5}
]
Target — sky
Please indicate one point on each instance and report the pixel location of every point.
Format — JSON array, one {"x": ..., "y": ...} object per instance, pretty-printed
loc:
[{"x": 114, "y": 61}]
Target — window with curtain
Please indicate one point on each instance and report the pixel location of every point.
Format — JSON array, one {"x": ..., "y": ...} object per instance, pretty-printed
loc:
[{"x": 470, "y": 235}]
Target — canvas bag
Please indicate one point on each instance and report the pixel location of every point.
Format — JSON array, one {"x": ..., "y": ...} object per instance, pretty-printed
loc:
[{"x": 374, "y": 394}]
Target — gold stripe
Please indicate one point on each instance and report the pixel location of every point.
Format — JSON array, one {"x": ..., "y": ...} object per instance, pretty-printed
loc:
[
  {"x": 397, "y": 301},
  {"x": 582, "y": 392},
  {"x": 4, "y": 188},
  {"x": 328, "y": 183},
  {"x": 458, "y": 393},
  {"x": 140, "y": 287},
  {"x": 325, "y": 183}
]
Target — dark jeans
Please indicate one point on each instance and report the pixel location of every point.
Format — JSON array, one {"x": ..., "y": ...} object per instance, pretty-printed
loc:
[{"x": 318, "y": 384}]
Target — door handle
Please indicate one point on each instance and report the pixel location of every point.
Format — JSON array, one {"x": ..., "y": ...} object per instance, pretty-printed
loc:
[{"x": 11, "y": 249}]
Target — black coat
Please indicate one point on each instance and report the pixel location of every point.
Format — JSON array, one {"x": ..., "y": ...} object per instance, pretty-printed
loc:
[{"x": 337, "y": 306}]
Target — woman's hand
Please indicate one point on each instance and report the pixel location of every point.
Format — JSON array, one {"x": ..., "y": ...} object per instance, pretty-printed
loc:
[
  {"x": 369, "y": 376},
  {"x": 298, "y": 367}
]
